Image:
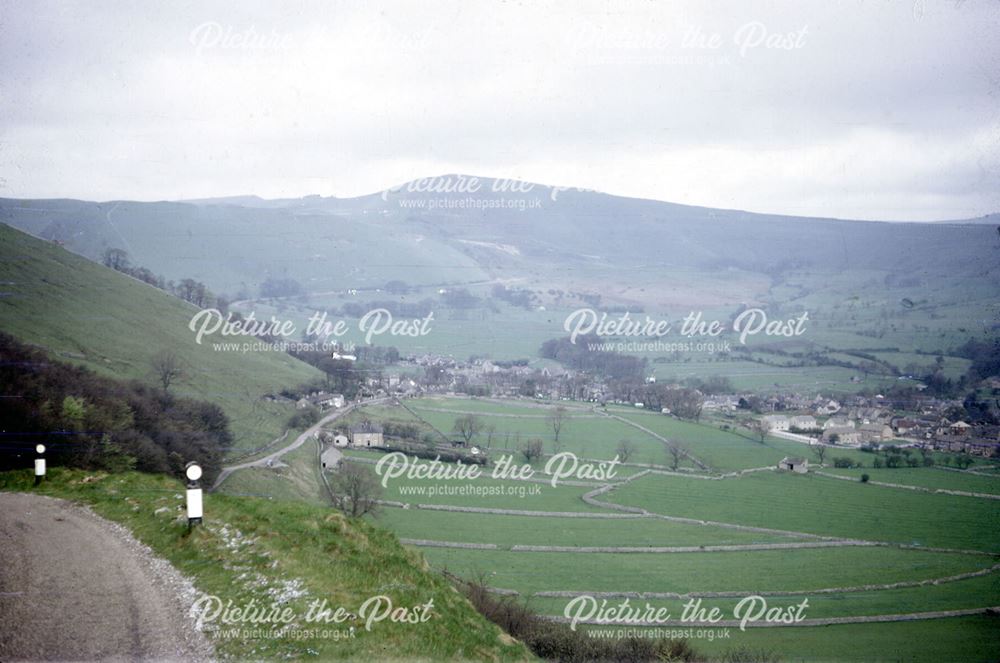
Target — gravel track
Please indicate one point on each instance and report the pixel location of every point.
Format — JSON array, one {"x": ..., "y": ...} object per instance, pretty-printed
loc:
[{"x": 74, "y": 586}]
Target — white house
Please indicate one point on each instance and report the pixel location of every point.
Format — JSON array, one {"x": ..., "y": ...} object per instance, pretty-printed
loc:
[
  {"x": 875, "y": 432},
  {"x": 340, "y": 440},
  {"x": 828, "y": 407},
  {"x": 322, "y": 400},
  {"x": 838, "y": 422},
  {"x": 776, "y": 422},
  {"x": 803, "y": 422},
  {"x": 844, "y": 436}
]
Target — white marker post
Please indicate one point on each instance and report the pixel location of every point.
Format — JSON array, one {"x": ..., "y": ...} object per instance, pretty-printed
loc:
[
  {"x": 193, "y": 472},
  {"x": 39, "y": 464}
]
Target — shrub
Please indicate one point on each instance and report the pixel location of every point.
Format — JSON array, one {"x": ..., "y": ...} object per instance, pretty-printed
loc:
[
  {"x": 304, "y": 418},
  {"x": 749, "y": 655},
  {"x": 864, "y": 478}
]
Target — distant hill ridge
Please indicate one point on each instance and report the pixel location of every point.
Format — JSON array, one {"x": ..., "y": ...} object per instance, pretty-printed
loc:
[{"x": 549, "y": 234}]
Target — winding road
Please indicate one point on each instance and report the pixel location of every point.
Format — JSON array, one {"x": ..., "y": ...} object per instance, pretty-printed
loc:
[{"x": 271, "y": 458}]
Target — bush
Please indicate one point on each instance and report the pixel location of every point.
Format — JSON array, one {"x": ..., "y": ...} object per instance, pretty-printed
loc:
[
  {"x": 864, "y": 478},
  {"x": 842, "y": 461},
  {"x": 749, "y": 655},
  {"x": 304, "y": 418}
]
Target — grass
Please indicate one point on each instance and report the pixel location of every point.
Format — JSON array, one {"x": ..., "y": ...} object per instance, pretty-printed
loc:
[
  {"x": 295, "y": 478},
  {"x": 967, "y": 594},
  {"x": 488, "y": 493},
  {"x": 966, "y": 639},
  {"x": 721, "y": 450},
  {"x": 926, "y": 477},
  {"x": 751, "y": 571},
  {"x": 820, "y": 505},
  {"x": 88, "y": 314},
  {"x": 251, "y": 548},
  {"x": 594, "y": 437},
  {"x": 533, "y": 530}
]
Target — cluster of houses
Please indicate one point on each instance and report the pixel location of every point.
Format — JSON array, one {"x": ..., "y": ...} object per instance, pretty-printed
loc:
[{"x": 867, "y": 424}]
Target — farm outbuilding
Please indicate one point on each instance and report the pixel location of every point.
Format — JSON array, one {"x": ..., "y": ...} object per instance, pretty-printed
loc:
[{"x": 800, "y": 465}]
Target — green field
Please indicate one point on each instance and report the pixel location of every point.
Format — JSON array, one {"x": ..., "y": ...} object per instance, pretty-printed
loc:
[
  {"x": 820, "y": 505},
  {"x": 769, "y": 499},
  {"x": 506, "y": 531},
  {"x": 967, "y": 639},
  {"x": 957, "y": 595},
  {"x": 933, "y": 478},
  {"x": 755, "y": 571}
]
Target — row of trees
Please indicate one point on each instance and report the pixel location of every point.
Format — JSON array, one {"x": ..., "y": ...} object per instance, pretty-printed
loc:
[{"x": 189, "y": 290}]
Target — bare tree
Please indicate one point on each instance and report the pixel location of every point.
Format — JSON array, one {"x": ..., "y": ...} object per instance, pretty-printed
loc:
[
  {"x": 625, "y": 450},
  {"x": 167, "y": 367},
  {"x": 356, "y": 489},
  {"x": 820, "y": 451},
  {"x": 468, "y": 426},
  {"x": 556, "y": 419},
  {"x": 532, "y": 449},
  {"x": 760, "y": 428},
  {"x": 677, "y": 454}
]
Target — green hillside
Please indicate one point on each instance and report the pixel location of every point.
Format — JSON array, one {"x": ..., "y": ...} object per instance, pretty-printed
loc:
[{"x": 85, "y": 313}]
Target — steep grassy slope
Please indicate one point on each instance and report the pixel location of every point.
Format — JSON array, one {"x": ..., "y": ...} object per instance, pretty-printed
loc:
[{"x": 85, "y": 313}]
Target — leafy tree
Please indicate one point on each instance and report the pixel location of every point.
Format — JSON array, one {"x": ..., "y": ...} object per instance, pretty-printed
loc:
[{"x": 116, "y": 259}]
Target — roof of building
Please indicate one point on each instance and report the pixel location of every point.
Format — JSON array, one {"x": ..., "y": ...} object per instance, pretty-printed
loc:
[{"x": 366, "y": 427}]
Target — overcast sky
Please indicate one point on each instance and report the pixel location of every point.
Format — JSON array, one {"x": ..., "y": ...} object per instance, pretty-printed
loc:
[{"x": 857, "y": 109}]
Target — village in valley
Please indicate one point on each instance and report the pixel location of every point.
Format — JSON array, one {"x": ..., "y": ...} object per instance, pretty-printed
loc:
[{"x": 909, "y": 426}]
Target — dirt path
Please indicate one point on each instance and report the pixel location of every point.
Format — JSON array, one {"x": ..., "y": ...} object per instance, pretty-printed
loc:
[{"x": 74, "y": 586}]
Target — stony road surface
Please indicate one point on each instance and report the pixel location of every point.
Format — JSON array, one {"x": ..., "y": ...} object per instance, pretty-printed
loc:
[{"x": 74, "y": 586}]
